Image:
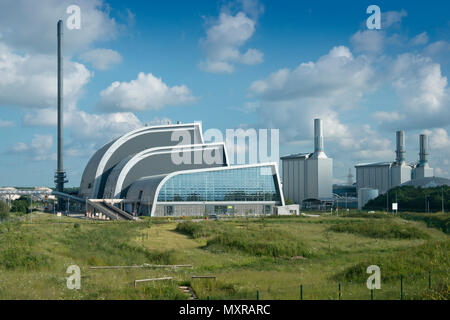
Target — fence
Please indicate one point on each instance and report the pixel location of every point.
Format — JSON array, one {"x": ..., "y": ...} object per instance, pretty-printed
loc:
[{"x": 403, "y": 288}]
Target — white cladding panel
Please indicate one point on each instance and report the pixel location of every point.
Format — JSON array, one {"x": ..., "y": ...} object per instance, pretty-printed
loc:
[
  {"x": 400, "y": 174},
  {"x": 423, "y": 172},
  {"x": 325, "y": 174},
  {"x": 307, "y": 178},
  {"x": 312, "y": 179}
]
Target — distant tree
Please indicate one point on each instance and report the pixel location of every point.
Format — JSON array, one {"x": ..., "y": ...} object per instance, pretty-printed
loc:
[
  {"x": 410, "y": 198},
  {"x": 4, "y": 210},
  {"x": 20, "y": 205},
  {"x": 288, "y": 201}
]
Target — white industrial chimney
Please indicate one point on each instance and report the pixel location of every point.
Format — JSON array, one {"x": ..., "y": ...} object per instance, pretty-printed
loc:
[
  {"x": 422, "y": 169},
  {"x": 423, "y": 140},
  {"x": 318, "y": 141},
  {"x": 400, "y": 151}
]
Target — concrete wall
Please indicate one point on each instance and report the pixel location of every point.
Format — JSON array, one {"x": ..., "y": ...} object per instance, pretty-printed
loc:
[
  {"x": 293, "y": 209},
  {"x": 207, "y": 209}
]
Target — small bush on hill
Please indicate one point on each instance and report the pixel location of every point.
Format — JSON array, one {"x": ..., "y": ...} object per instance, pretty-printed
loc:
[
  {"x": 380, "y": 229},
  {"x": 440, "y": 221},
  {"x": 432, "y": 256},
  {"x": 20, "y": 257},
  {"x": 196, "y": 229},
  {"x": 259, "y": 243},
  {"x": 4, "y": 211}
]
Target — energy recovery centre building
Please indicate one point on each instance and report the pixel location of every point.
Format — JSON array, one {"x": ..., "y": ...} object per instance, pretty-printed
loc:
[{"x": 168, "y": 170}]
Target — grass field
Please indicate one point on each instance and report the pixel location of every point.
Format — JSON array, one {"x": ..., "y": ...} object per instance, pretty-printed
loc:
[{"x": 272, "y": 255}]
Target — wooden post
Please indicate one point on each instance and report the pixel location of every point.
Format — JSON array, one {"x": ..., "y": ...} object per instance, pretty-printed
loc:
[
  {"x": 339, "y": 291},
  {"x": 429, "y": 280},
  {"x": 401, "y": 287}
]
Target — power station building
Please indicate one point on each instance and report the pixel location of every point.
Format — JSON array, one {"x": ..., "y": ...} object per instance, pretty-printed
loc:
[
  {"x": 169, "y": 171},
  {"x": 386, "y": 175},
  {"x": 308, "y": 176}
]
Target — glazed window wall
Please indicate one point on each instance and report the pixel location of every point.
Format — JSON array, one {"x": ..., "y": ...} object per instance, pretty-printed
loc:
[{"x": 241, "y": 184}]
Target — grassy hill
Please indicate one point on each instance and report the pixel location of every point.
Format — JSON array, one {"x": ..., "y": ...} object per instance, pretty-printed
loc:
[{"x": 273, "y": 255}]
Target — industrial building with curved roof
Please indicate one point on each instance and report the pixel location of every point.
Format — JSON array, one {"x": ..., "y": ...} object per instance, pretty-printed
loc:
[{"x": 170, "y": 171}]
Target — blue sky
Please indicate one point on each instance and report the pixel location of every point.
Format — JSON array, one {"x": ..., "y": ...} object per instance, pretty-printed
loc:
[{"x": 230, "y": 64}]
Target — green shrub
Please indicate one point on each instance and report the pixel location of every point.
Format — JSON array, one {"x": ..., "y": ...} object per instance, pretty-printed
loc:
[
  {"x": 432, "y": 256},
  {"x": 196, "y": 229},
  {"x": 218, "y": 290},
  {"x": 259, "y": 243},
  {"x": 111, "y": 245},
  {"x": 440, "y": 221},
  {"x": 4, "y": 210},
  {"x": 20, "y": 257},
  {"x": 441, "y": 291},
  {"x": 377, "y": 215},
  {"x": 410, "y": 198},
  {"x": 380, "y": 229},
  {"x": 20, "y": 205},
  {"x": 166, "y": 290}
]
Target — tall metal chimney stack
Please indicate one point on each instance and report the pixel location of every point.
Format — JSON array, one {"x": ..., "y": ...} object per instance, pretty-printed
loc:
[
  {"x": 400, "y": 152},
  {"x": 318, "y": 135},
  {"x": 423, "y": 139},
  {"x": 318, "y": 140},
  {"x": 60, "y": 175}
]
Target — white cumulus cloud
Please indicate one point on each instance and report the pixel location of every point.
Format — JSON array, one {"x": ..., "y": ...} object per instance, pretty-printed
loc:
[
  {"x": 39, "y": 149},
  {"x": 225, "y": 37},
  {"x": 147, "y": 92},
  {"x": 31, "y": 25},
  {"x": 6, "y": 123},
  {"x": 30, "y": 80},
  {"x": 102, "y": 59}
]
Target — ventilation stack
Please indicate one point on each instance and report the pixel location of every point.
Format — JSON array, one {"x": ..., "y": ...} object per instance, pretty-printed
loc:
[
  {"x": 400, "y": 171},
  {"x": 422, "y": 169},
  {"x": 400, "y": 152},
  {"x": 318, "y": 141},
  {"x": 60, "y": 174},
  {"x": 423, "y": 140}
]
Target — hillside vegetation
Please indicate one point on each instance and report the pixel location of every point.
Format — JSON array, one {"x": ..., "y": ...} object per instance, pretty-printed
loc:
[
  {"x": 413, "y": 199},
  {"x": 272, "y": 255}
]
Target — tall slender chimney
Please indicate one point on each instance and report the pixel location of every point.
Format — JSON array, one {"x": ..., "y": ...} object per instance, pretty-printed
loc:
[
  {"x": 60, "y": 175},
  {"x": 318, "y": 135},
  {"x": 423, "y": 139},
  {"x": 318, "y": 140},
  {"x": 400, "y": 152}
]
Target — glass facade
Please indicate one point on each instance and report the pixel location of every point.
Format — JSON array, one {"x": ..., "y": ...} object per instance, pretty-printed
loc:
[{"x": 241, "y": 184}]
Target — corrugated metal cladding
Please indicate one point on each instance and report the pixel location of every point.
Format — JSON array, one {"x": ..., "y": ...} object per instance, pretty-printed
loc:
[
  {"x": 376, "y": 177},
  {"x": 305, "y": 178},
  {"x": 308, "y": 175}
]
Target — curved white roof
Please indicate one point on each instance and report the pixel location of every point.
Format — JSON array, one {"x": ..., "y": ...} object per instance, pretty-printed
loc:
[
  {"x": 153, "y": 166},
  {"x": 101, "y": 163}
]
